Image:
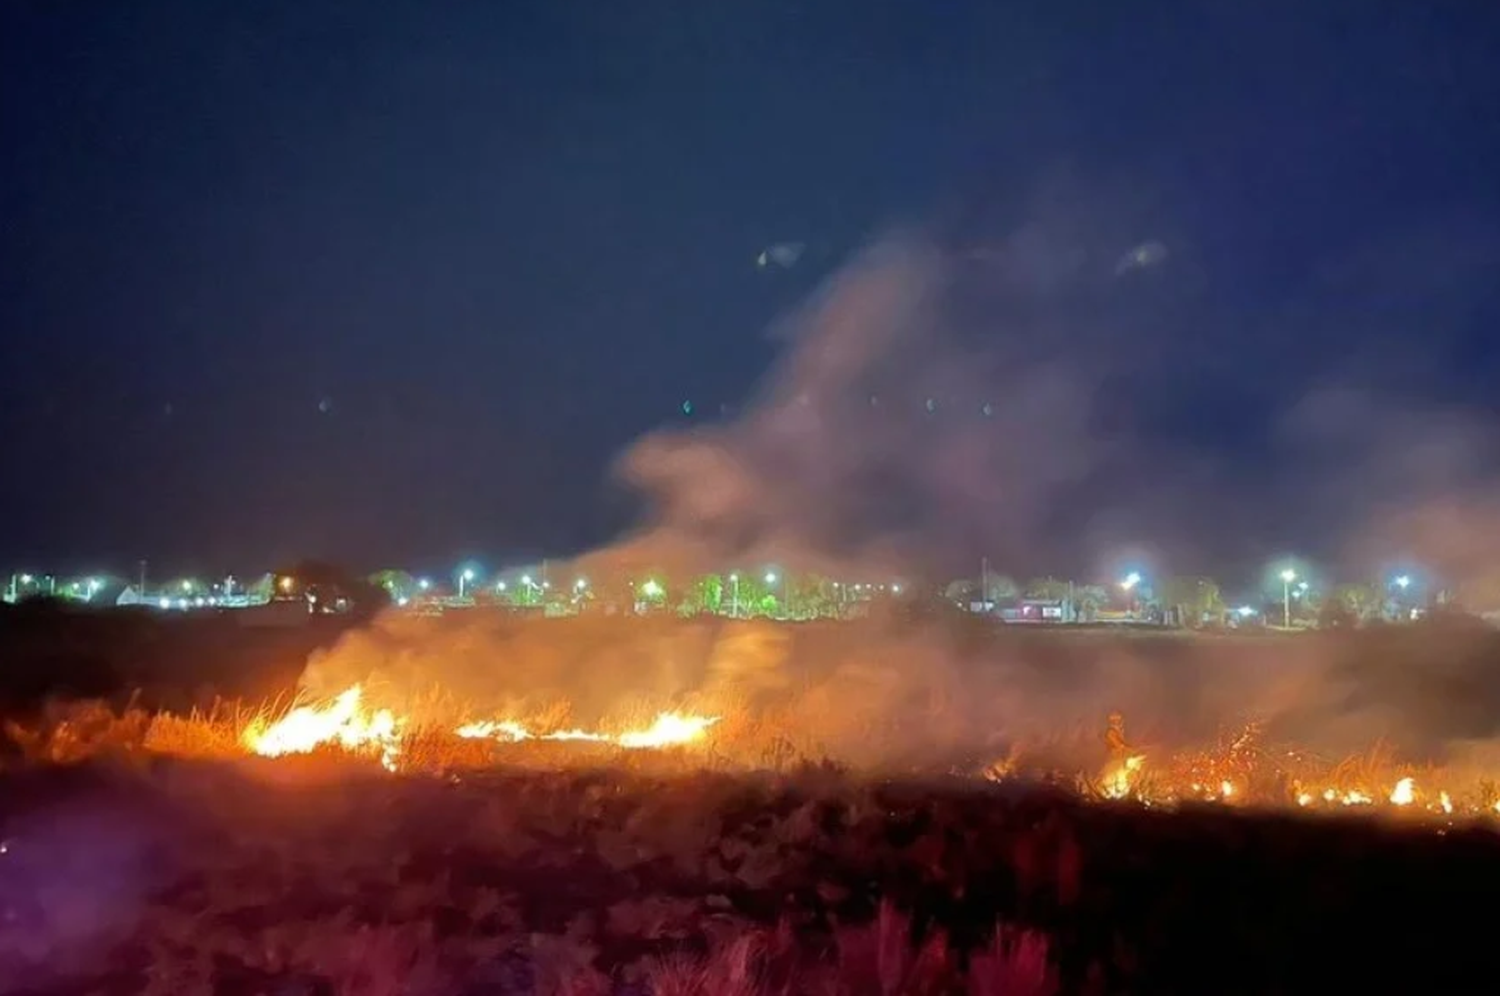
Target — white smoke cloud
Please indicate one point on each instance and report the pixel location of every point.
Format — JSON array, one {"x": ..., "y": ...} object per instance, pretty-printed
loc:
[{"x": 926, "y": 412}]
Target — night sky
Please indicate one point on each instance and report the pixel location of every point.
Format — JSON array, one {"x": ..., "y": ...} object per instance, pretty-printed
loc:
[{"x": 396, "y": 283}]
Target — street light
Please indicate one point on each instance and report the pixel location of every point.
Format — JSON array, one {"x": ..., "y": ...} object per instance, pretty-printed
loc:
[
  {"x": 771, "y": 586},
  {"x": 1128, "y": 585},
  {"x": 423, "y": 583},
  {"x": 734, "y": 596},
  {"x": 1287, "y": 577},
  {"x": 464, "y": 577},
  {"x": 1403, "y": 582}
]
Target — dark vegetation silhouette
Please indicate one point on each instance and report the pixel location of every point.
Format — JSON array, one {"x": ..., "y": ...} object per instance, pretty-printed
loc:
[{"x": 809, "y": 881}]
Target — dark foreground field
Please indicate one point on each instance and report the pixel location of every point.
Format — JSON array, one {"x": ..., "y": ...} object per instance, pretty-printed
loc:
[{"x": 310, "y": 878}]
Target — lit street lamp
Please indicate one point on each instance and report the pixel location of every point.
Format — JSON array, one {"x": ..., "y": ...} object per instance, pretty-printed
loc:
[
  {"x": 1402, "y": 582},
  {"x": 771, "y": 587},
  {"x": 464, "y": 577},
  {"x": 734, "y": 596},
  {"x": 1128, "y": 585},
  {"x": 1287, "y": 577},
  {"x": 648, "y": 591}
]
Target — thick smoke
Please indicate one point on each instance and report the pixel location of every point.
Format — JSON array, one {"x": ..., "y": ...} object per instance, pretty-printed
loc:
[{"x": 935, "y": 405}]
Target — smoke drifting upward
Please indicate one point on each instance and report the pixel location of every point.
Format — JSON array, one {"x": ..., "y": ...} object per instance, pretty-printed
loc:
[
  {"x": 933, "y": 406},
  {"x": 896, "y": 434}
]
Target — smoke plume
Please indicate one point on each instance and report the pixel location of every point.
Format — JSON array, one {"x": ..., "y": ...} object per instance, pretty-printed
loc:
[{"x": 1034, "y": 403}]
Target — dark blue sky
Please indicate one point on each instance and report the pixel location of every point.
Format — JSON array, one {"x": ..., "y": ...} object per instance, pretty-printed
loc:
[{"x": 503, "y": 240}]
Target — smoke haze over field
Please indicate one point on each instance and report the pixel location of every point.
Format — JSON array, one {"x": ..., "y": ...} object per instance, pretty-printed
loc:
[
  {"x": 928, "y": 410},
  {"x": 903, "y": 692},
  {"x": 932, "y": 407}
]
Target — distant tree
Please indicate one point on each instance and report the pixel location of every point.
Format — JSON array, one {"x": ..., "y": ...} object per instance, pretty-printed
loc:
[
  {"x": 811, "y": 596},
  {"x": 963, "y": 591},
  {"x": 398, "y": 583},
  {"x": 1194, "y": 599},
  {"x": 1361, "y": 601},
  {"x": 997, "y": 588},
  {"x": 1000, "y": 588},
  {"x": 705, "y": 594},
  {"x": 327, "y": 584},
  {"x": 651, "y": 592},
  {"x": 1088, "y": 599},
  {"x": 1049, "y": 588},
  {"x": 750, "y": 591}
]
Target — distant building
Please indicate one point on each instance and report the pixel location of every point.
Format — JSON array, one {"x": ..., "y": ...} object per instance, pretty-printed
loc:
[{"x": 1040, "y": 611}]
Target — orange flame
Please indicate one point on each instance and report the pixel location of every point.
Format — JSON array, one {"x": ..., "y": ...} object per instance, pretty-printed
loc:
[{"x": 345, "y": 722}]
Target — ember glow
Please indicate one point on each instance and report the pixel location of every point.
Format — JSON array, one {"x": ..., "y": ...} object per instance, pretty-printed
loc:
[{"x": 345, "y": 722}]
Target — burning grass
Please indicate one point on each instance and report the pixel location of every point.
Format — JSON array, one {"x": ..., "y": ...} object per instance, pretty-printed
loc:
[{"x": 1240, "y": 769}]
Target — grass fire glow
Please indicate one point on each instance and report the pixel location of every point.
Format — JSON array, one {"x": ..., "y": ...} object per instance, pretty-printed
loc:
[
  {"x": 1239, "y": 772},
  {"x": 345, "y": 722}
]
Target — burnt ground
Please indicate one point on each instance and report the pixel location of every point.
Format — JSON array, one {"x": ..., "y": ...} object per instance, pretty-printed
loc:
[{"x": 273, "y": 877}]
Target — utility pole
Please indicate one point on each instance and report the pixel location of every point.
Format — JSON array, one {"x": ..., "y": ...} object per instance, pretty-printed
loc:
[
  {"x": 142, "y": 588},
  {"x": 984, "y": 582}
]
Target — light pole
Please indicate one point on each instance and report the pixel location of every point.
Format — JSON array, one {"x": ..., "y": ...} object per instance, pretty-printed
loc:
[
  {"x": 1287, "y": 577},
  {"x": 1128, "y": 585},
  {"x": 771, "y": 586},
  {"x": 1402, "y": 582},
  {"x": 648, "y": 592},
  {"x": 734, "y": 596},
  {"x": 464, "y": 577}
]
